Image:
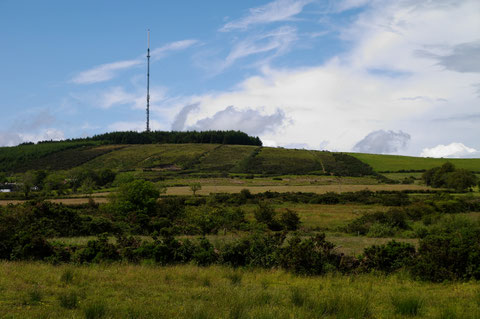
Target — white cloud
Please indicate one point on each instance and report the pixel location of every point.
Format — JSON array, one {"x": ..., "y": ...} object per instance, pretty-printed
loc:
[
  {"x": 344, "y": 5},
  {"x": 118, "y": 95},
  {"x": 138, "y": 126},
  {"x": 451, "y": 150},
  {"x": 381, "y": 82},
  {"x": 10, "y": 138},
  {"x": 250, "y": 121},
  {"x": 108, "y": 71},
  {"x": 382, "y": 142},
  {"x": 161, "y": 52},
  {"x": 278, "y": 41},
  {"x": 115, "y": 96},
  {"x": 275, "y": 11},
  {"x": 103, "y": 72}
]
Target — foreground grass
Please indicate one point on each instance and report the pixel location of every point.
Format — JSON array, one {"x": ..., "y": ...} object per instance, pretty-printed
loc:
[{"x": 39, "y": 290}]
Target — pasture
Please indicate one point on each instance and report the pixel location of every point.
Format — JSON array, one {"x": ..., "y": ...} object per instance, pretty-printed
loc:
[{"x": 40, "y": 290}]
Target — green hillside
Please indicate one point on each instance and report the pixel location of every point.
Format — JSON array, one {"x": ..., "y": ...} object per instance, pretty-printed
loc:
[
  {"x": 168, "y": 159},
  {"x": 396, "y": 163}
]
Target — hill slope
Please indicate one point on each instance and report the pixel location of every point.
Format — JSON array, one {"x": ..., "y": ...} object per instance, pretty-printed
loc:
[
  {"x": 183, "y": 159},
  {"x": 396, "y": 163}
]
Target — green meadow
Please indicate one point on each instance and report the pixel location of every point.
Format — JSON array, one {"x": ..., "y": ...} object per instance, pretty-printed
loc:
[{"x": 39, "y": 290}]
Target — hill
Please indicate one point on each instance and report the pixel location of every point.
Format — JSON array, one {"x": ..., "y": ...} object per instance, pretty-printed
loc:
[
  {"x": 173, "y": 159},
  {"x": 397, "y": 163}
]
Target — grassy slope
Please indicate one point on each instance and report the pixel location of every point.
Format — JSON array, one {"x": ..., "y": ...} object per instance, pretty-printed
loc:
[
  {"x": 33, "y": 290},
  {"x": 151, "y": 156},
  {"x": 289, "y": 161},
  {"x": 201, "y": 158},
  {"x": 395, "y": 163},
  {"x": 25, "y": 157}
]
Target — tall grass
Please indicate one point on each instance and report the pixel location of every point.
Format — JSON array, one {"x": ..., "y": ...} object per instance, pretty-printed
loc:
[
  {"x": 407, "y": 304},
  {"x": 136, "y": 291}
]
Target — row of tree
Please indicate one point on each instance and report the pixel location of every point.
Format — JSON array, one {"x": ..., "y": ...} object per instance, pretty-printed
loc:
[{"x": 172, "y": 137}]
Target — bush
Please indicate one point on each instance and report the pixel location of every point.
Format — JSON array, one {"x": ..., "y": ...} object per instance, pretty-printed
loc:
[
  {"x": 265, "y": 214},
  {"x": 289, "y": 220},
  {"x": 257, "y": 250},
  {"x": 312, "y": 256},
  {"x": 451, "y": 251},
  {"x": 390, "y": 257},
  {"x": 99, "y": 250},
  {"x": 379, "y": 230},
  {"x": 204, "y": 254}
]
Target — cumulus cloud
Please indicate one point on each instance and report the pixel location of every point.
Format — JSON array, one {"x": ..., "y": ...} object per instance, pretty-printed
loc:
[
  {"x": 180, "y": 119},
  {"x": 275, "y": 11},
  {"x": 457, "y": 150},
  {"x": 10, "y": 138},
  {"x": 341, "y": 99},
  {"x": 249, "y": 121},
  {"x": 382, "y": 142},
  {"x": 108, "y": 71}
]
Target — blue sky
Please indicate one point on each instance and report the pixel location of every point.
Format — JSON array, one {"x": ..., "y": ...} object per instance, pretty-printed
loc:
[{"x": 375, "y": 76}]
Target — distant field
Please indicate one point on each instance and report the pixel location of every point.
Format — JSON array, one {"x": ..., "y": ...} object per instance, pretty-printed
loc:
[
  {"x": 320, "y": 189},
  {"x": 395, "y": 163}
]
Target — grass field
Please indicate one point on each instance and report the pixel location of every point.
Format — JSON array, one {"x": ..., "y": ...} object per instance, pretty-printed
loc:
[
  {"x": 35, "y": 290},
  {"x": 209, "y": 189},
  {"x": 150, "y": 156},
  {"x": 395, "y": 163}
]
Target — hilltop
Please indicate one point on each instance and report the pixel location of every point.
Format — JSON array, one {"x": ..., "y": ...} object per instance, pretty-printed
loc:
[{"x": 211, "y": 153}]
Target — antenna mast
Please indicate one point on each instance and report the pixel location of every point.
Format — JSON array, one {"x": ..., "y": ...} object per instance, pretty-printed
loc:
[{"x": 148, "y": 82}]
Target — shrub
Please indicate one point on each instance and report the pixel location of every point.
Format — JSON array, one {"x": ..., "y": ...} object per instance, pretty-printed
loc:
[
  {"x": 265, "y": 213},
  {"x": 379, "y": 230},
  {"x": 204, "y": 254},
  {"x": 451, "y": 251},
  {"x": 311, "y": 256},
  {"x": 290, "y": 220},
  {"x": 98, "y": 250},
  {"x": 390, "y": 257},
  {"x": 257, "y": 250},
  {"x": 136, "y": 196}
]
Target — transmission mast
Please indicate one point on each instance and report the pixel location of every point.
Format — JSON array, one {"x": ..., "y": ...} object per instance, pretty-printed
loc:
[{"x": 148, "y": 82}]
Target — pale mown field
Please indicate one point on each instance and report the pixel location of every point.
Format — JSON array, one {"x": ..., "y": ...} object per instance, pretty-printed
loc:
[
  {"x": 40, "y": 290},
  {"x": 209, "y": 189}
]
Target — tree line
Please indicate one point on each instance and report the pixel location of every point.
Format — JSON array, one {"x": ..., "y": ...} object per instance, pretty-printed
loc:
[{"x": 173, "y": 137}]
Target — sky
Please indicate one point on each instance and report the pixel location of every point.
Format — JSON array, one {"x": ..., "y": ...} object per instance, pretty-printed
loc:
[{"x": 373, "y": 76}]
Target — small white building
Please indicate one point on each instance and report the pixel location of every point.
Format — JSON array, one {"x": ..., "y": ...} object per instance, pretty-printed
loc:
[{"x": 5, "y": 190}]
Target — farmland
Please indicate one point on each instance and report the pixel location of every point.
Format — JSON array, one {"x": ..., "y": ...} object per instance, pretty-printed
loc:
[
  {"x": 396, "y": 163},
  {"x": 275, "y": 232}
]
